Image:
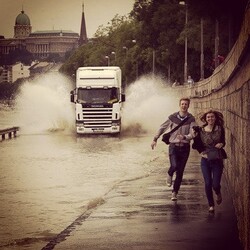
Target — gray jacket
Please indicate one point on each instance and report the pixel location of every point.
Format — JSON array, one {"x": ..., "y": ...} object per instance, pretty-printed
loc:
[{"x": 173, "y": 121}]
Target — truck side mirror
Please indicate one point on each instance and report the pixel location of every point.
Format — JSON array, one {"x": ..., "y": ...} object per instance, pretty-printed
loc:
[
  {"x": 72, "y": 96},
  {"x": 123, "y": 98}
]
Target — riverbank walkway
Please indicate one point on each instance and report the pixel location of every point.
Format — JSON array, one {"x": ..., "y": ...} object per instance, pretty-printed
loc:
[{"x": 139, "y": 214}]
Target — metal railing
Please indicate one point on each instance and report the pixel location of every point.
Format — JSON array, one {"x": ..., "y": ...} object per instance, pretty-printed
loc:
[{"x": 10, "y": 132}]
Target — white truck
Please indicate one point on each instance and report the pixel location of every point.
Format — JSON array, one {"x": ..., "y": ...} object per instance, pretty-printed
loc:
[{"x": 98, "y": 100}]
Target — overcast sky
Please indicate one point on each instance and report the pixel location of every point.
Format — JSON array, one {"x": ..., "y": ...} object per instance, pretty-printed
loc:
[{"x": 61, "y": 14}]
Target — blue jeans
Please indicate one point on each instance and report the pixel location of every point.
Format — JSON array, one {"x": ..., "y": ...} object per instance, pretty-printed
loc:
[
  {"x": 212, "y": 173},
  {"x": 178, "y": 157}
]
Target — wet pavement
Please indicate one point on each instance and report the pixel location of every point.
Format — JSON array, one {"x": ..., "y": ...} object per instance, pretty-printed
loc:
[{"x": 139, "y": 214}]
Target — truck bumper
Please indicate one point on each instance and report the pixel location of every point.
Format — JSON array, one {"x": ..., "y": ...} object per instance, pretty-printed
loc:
[{"x": 109, "y": 130}]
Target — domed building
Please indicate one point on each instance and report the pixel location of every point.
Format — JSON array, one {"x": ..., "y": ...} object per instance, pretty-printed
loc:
[
  {"x": 45, "y": 44},
  {"x": 22, "y": 26},
  {"x": 42, "y": 44}
]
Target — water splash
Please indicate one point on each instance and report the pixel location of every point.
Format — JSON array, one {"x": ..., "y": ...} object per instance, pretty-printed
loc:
[
  {"x": 148, "y": 103},
  {"x": 43, "y": 105}
]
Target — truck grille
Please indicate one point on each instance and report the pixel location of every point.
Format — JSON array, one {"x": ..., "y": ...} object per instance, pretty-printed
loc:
[{"x": 97, "y": 117}]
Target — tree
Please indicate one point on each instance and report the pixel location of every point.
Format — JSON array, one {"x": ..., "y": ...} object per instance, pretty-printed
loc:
[
  {"x": 158, "y": 26},
  {"x": 19, "y": 55}
]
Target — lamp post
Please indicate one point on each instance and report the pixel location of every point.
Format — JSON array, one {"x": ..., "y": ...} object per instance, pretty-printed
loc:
[
  {"x": 153, "y": 66},
  {"x": 107, "y": 57},
  {"x": 186, "y": 21},
  {"x": 202, "y": 52},
  {"x": 126, "y": 79},
  {"x": 216, "y": 52},
  {"x": 134, "y": 41},
  {"x": 169, "y": 70},
  {"x": 124, "y": 47},
  {"x": 113, "y": 53}
]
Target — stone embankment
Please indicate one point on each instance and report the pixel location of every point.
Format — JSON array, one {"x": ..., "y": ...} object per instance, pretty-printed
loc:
[{"x": 228, "y": 91}]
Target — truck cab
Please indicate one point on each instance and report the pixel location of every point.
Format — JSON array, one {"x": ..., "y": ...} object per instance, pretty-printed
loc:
[{"x": 98, "y": 100}]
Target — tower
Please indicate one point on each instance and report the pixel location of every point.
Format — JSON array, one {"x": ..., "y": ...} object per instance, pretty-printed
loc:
[
  {"x": 22, "y": 26},
  {"x": 83, "y": 34}
]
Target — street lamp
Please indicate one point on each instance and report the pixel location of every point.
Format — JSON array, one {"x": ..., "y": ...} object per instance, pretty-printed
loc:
[
  {"x": 107, "y": 57},
  {"x": 134, "y": 41},
  {"x": 124, "y": 47},
  {"x": 186, "y": 21},
  {"x": 113, "y": 53},
  {"x": 202, "y": 52},
  {"x": 216, "y": 53},
  {"x": 153, "y": 61}
]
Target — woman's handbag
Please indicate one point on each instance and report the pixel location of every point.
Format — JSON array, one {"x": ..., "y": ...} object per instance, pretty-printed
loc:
[
  {"x": 213, "y": 154},
  {"x": 166, "y": 136},
  {"x": 216, "y": 154}
]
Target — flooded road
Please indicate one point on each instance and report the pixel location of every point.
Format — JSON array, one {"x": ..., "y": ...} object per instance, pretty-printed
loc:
[
  {"x": 48, "y": 180},
  {"x": 50, "y": 176},
  {"x": 63, "y": 191}
]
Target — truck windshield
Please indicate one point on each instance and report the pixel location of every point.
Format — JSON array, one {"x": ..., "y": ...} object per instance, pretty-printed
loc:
[{"x": 109, "y": 95}]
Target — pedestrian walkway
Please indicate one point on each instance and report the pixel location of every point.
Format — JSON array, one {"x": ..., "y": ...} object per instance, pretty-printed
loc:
[{"x": 139, "y": 214}]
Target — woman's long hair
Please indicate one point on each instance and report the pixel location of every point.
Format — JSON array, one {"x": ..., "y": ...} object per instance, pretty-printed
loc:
[{"x": 219, "y": 120}]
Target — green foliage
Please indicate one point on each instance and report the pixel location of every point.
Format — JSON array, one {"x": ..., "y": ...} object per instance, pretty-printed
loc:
[
  {"x": 17, "y": 55},
  {"x": 159, "y": 25},
  {"x": 9, "y": 90}
]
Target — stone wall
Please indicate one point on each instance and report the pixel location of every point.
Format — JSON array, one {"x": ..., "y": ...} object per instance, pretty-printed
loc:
[{"x": 228, "y": 91}]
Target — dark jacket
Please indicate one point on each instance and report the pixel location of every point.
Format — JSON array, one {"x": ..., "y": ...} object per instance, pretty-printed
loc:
[{"x": 198, "y": 144}]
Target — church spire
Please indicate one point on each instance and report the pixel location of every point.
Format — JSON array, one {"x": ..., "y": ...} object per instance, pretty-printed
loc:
[{"x": 83, "y": 34}]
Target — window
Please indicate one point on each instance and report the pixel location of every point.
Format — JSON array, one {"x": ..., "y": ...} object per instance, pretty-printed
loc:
[{"x": 109, "y": 95}]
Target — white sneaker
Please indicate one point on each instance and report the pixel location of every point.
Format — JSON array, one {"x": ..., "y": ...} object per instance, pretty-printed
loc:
[
  {"x": 174, "y": 196},
  {"x": 169, "y": 181},
  {"x": 211, "y": 209}
]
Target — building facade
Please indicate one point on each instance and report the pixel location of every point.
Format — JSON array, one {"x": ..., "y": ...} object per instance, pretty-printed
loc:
[
  {"x": 41, "y": 44},
  {"x": 14, "y": 72}
]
